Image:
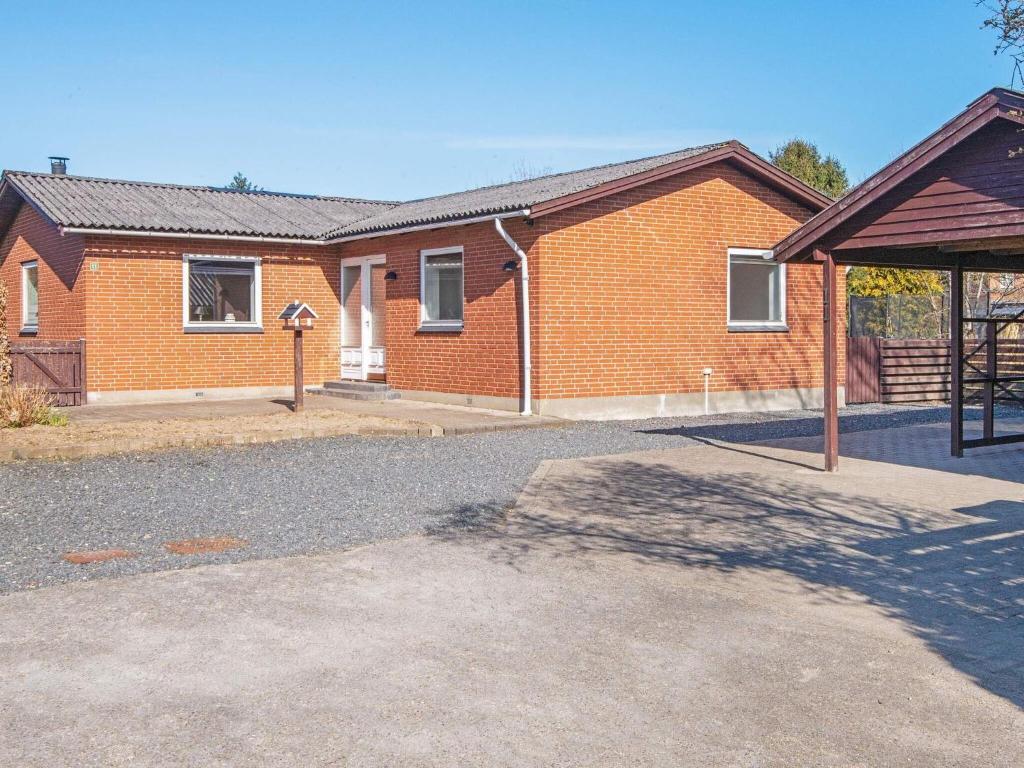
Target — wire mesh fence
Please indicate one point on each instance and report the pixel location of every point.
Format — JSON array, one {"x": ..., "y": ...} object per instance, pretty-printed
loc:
[{"x": 899, "y": 316}]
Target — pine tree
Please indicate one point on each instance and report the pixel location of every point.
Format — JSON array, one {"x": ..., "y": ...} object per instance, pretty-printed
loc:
[
  {"x": 802, "y": 159},
  {"x": 242, "y": 184}
]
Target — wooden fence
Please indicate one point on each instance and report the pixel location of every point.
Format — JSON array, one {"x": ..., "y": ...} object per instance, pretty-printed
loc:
[
  {"x": 57, "y": 366},
  {"x": 896, "y": 370},
  {"x": 918, "y": 370}
]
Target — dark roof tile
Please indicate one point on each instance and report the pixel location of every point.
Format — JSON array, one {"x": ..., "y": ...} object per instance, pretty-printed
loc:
[
  {"x": 507, "y": 197},
  {"x": 78, "y": 201}
]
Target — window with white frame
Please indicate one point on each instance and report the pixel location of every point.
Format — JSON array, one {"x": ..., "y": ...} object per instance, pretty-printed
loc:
[
  {"x": 221, "y": 292},
  {"x": 756, "y": 290},
  {"x": 30, "y": 296},
  {"x": 441, "y": 288}
]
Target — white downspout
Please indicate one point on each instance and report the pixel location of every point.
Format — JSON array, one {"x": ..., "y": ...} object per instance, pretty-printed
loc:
[{"x": 524, "y": 281}]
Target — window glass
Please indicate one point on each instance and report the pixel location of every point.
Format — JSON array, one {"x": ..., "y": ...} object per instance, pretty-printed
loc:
[
  {"x": 352, "y": 305},
  {"x": 442, "y": 288},
  {"x": 30, "y": 292},
  {"x": 221, "y": 291},
  {"x": 755, "y": 290}
]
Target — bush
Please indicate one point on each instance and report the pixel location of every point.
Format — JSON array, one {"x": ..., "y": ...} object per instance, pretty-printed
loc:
[{"x": 24, "y": 406}]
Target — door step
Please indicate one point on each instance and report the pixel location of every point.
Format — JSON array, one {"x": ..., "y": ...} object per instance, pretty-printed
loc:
[{"x": 357, "y": 390}]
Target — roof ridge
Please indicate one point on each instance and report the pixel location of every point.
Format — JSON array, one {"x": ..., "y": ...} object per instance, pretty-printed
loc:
[
  {"x": 197, "y": 187},
  {"x": 698, "y": 148}
]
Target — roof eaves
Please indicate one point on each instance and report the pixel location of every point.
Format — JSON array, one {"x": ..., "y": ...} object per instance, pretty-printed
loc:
[
  {"x": 433, "y": 222},
  {"x": 518, "y": 204},
  {"x": 978, "y": 114},
  {"x": 728, "y": 151},
  {"x": 10, "y": 178}
]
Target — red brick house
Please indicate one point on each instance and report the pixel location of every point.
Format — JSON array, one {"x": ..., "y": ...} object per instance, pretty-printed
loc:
[{"x": 647, "y": 280}]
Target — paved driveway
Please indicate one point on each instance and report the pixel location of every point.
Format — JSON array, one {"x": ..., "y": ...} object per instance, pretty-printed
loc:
[
  {"x": 711, "y": 605},
  {"x": 315, "y": 495}
]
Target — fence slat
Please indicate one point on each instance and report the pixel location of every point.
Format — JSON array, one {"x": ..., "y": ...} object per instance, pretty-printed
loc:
[
  {"x": 918, "y": 370},
  {"x": 56, "y": 366}
]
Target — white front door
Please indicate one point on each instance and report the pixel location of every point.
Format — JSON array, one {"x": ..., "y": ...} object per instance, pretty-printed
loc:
[{"x": 362, "y": 317}]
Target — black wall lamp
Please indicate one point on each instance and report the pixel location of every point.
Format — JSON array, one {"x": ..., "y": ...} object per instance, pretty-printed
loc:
[
  {"x": 509, "y": 266},
  {"x": 392, "y": 275}
]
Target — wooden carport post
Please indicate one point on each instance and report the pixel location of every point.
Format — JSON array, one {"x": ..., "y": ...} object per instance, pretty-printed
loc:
[
  {"x": 830, "y": 345},
  {"x": 956, "y": 360}
]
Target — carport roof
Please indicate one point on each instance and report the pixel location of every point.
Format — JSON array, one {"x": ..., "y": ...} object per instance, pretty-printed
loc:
[{"x": 996, "y": 104}]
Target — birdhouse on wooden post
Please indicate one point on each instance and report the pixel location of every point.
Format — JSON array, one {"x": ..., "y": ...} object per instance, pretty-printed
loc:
[{"x": 298, "y": 316}]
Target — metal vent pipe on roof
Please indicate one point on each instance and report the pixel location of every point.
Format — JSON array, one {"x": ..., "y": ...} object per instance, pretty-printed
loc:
[{"x": 58, "y": 165}]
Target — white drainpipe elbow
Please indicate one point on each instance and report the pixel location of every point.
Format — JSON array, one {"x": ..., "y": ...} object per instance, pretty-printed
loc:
[{"x": 524, "y": 281}]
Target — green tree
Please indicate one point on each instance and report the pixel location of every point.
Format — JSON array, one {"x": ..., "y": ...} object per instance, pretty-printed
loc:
[
  {"x": 889, "y": 281},
  {"x": 803, "y": 160},
  {"x": 242, "y": 184}
]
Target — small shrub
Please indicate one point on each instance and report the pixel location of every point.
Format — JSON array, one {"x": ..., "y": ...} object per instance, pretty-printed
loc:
[{"x": 24, "y": 406}]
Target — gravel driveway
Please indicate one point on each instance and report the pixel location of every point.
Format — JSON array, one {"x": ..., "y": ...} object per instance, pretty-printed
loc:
[{"x": 319, "y": 495}]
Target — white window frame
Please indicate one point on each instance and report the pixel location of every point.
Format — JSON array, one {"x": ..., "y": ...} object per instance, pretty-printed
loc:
[
  {"x": 250, "y": 326},
  {"x": 740, "y": 325},
  {"x": 26, "y": 327},
  {"x": 441, "y": 325}
]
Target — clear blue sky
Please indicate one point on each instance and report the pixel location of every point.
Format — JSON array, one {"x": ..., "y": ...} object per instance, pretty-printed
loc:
[{"x": 402, "y": 100}]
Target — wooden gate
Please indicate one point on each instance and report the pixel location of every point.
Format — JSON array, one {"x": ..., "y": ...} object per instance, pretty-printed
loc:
[
  {"x": 897, "y": 370},
  {"x": 56, "y": 366}
]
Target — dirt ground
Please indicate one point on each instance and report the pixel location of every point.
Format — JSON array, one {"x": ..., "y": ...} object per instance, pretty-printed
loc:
[{"x": 95, "y": 438}]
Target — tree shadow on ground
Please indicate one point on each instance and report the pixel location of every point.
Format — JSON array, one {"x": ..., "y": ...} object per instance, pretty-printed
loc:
[
  {"x": 865, "y": 436},
  {"x": 746, "y": 431},
  {"x": 954, "y": 577}
]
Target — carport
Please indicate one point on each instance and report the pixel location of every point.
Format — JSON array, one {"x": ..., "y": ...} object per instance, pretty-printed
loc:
[{"x": 953, "y": 202}]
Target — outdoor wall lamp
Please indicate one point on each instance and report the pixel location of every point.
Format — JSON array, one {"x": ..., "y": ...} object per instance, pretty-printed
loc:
[
  {"x": 509, "y": 266},
  {"x": 392, "y": 275}
]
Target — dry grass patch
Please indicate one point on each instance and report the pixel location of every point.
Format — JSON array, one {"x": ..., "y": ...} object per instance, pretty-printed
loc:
[
  {"x": 26, "y": 406},
  {"x": 95, "y": 438}
]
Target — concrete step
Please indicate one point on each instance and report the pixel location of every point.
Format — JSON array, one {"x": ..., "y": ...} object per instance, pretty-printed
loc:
[
  {"x": 356, "y": 390},
  {"x": 347, "y": 385}
]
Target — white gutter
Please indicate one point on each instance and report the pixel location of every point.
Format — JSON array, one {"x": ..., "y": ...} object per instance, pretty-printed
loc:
[
  {"x": 434, "y": 225},
  {"x": 524, "y": 281},
  {"x": 186, "y": 235}
]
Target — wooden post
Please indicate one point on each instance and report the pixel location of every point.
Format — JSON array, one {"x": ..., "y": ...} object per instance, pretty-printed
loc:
[
  {"x": 82, "y": 381},
  {"x": 298, "y": 368},
  {"x": 831, "y": 343},
  {"x": 956, "y": 357},
  {"x": 989, "y": 416}
]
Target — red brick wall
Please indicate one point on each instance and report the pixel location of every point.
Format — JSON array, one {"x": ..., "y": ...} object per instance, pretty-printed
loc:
[
  {"x": 483, "y": 358},
  {"x": 633, "y": 291},
  {"x": 627, "y": 297},
  {"x": 61, "y": 306},
  {"x": 136, "y": 342}
]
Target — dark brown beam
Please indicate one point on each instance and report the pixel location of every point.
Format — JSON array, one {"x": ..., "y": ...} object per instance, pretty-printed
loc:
[
  {"x": 831, "y": 345},
  {"x": 929, "y": 258},
  {"x": 956, "y": 340},
  {"x": 990, "y": 385}
]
